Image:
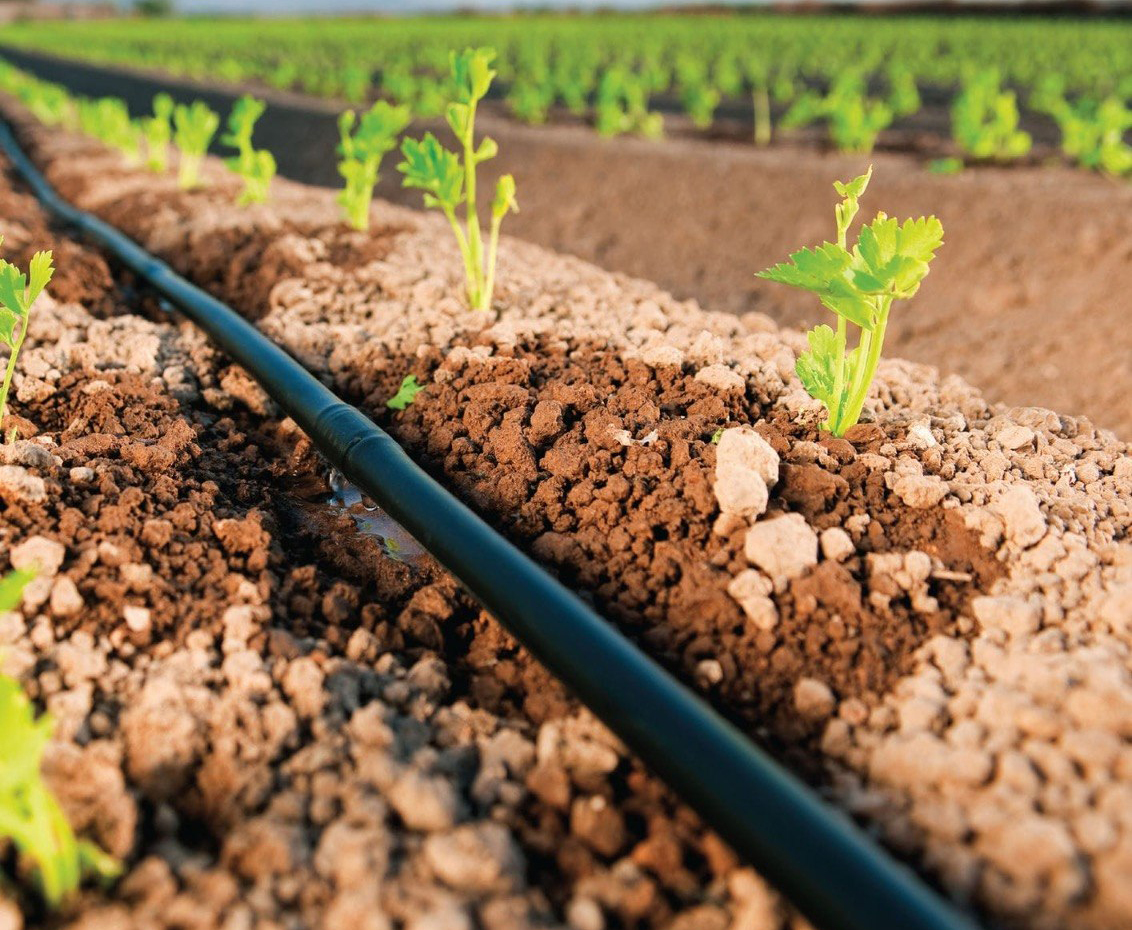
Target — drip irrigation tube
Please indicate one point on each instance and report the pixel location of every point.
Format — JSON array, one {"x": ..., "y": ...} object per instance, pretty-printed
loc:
[{"x": 814, "y": 854}]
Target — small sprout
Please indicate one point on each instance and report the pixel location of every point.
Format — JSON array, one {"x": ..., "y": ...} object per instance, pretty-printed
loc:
[
  {"x": 108, "y": 120},
  {"x": 447, "y": 182},
  {"x": 946, "y": 166},
  {"x": 194, "y": 127},
  {"x": 887, "y": 263},
  {"x": 985, "y": 119},
  {"x": 17, "y": 294},
  {"x": 255, "y": 166},
  {"x": 406, "y": 393},
  {"x": 362, "y": 149},
  {"x": 716, "y": 436},
  {"x": 30, "y": 816},
  {"x": 157, "y": 131}
]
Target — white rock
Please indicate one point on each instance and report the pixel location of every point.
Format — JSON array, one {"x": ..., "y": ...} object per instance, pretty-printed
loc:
[
  {"x": 749, "y": 583},
  {"x": 39, "y": 554},
  {"x": 65, "y": 598},
  {"x": 1012, "y": 614},
  {"x": 836, "y": 544},
  {"x": 784, "y": 548},
  {"x": 921, "y": 436},
  {"x": 137, "y": 618},
  {"x": 813, "y": 699},
  {"x": 722, "y": 379},
  {"x": 424, "y": 803},
  {"x": 660, "y": 356},
  {"x": 742, "y": 449},
  {"x": 742, "y": 493},
  {"x": 1021, "y": 516},
  {"x": 1014, "y": 436},
  {"x": 478, "y": 858},
  {"x": 920, "y": 491}
]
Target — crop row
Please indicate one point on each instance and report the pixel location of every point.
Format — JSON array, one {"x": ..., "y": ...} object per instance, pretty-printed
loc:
[{"x": 857, "y": 75}]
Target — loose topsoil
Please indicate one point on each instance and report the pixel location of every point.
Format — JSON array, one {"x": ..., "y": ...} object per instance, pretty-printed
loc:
[
  {"x": 1028, "y": 300},
  {"x": 269, "y": 720},
  {"x": 929, "y": 618}
]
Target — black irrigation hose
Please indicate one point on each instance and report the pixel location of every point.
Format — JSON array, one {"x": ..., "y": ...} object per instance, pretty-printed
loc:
[{"x": 814, "y": 854}]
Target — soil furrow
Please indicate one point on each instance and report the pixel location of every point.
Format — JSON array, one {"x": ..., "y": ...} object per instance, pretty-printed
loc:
[
  {"x": 928, "y": 617},
  {"x": 1010, "y": 306},
  {"x": 270, "y": 720}
]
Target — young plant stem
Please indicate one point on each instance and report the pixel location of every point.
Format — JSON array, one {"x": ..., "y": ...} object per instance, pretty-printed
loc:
[
  {"x": 492, "y": 250},
  {"x": 465, "y": 253},
  {"x": 871, "y": 346},
  {"x": 476, "y": 292},
  {"x": 762, "y": 116},
  {"x": 833, "y": 422},
  {"x": 11, "y": 369}
]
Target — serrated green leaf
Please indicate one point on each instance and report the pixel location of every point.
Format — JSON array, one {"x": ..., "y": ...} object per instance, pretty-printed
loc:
[
  {"x": 816, "y": 368},
  {"x": 845, "y": 300},
  {"x": 432, "y": 168},
  {"x": 504, "y": 200},
  {"x": 12, "y": 589},
  {"x": 406, "y": 394},
  {"x": 811, "y": 269},
  {"x": 40, "y": 270},
  {"x": 854, "y": 189},
  {"x": 13, "y": 288}
]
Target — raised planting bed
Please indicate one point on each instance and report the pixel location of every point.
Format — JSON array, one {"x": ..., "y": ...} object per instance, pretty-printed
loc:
[
  {"x": 270, "y": 720},
  {"x": 722, "y": 217},
  {"x": 929, "y": 618}
]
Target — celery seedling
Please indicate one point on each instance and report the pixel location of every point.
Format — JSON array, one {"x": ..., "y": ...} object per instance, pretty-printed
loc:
[
  {"x": 985, "y": 119},
  {"x": 362, "y": 150},
  {"x": 255, "y": 166},
  {"x": 406, "y": 393},
  {"x": 888, "y": 262},
  {"x": 157, "y": 132},
  {"x": 30, "y": 816},
  {"x": 194, "y": 127},
  {"x": 17, "y": 294},
  {"x": 447, "y": 183}
]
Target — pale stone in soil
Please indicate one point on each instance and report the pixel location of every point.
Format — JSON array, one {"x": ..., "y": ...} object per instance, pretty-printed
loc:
[{"x": 784, "y": 547}]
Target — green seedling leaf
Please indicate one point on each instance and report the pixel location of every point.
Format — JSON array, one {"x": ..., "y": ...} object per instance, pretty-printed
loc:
[
  {"x": 16, "y": 299},
  {"x": 12, "y": 589},
  {"x": 859, "y": 284},
  {"x": 431, "y": 167},
  {"x": 448, "y": 179},
  {"x": 30, "y": 817},
  {"x": 504, "y": 201},
  {"x": 406, "y": 394}
]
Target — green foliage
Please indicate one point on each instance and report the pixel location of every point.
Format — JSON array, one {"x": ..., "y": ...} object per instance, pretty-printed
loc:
[
  {"x": 194, "y": 127},
  {"x": 698, "y": 95},
  {"x": 887, "y": 263},
  {"x": 406, "y": 393},
  {"x": 985, "y": 119},
  {"x": 855, "y": 119},
  {"x": 30, "y": 817},
  {"x": 1092, "y": 132},
  {"x": 255, "y": 166},
  {"x": 363, "y": 145},
  {"x": 108, "y": 120},
  {"x": 18, "y": 292},
  {"x": 157, "y": 130},
  {"x": 449, "y": 180},
  {"x": 623, "y": 106}
]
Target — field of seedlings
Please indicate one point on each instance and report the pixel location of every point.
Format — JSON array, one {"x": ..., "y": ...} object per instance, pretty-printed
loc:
[{"x": 654, "y": 472}]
